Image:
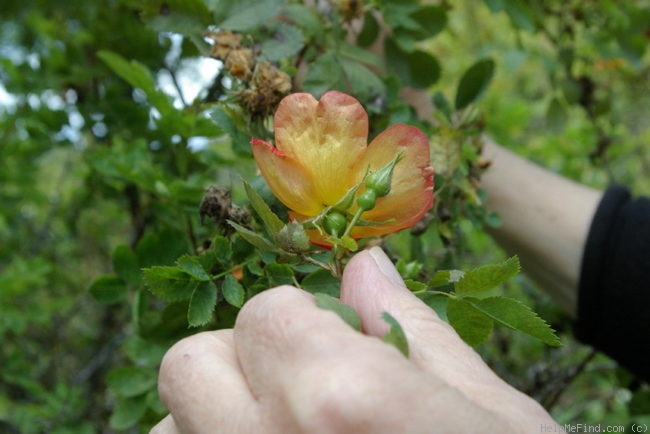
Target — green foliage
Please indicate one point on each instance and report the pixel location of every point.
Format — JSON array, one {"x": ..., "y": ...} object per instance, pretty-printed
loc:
[
  {"x": 395, "y": 336},
  {"x": 472, "y": 311},
  {"x": 117, "y": 117},
  {"x": 347, "y": 314},
  {"x": 474, "y": 82}
]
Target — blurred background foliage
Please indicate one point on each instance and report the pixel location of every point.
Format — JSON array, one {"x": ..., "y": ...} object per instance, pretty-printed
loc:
[{"x": 116, "y": 115}]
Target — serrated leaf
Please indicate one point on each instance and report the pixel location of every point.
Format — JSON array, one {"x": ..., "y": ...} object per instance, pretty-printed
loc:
[
  {"x": 487, "y": 276},
  {"x": 279, "y": 274},
  {"x": 517, "y": 316},
  {"x": 347, "y": 313},
  {"x": 470, "y": 323},
  {"x": 170, "y": 284},
  {"x": 395, "y": 335},
  {"x": 232, "y": 291},
  {"x": 445, "y": 277},
  {"x": 271, "y": 221},
  {"x": 474, "y": 82},
  {"x": 192, "y": 266},
  {"x": 323, "y": 74},
  {"x": 358, "y": 77},
  {"x": 131, "y": 380},
  {"x": 202, "y": 303},
  {"x": 108, "y": 289},
  {"x": 254, "y": 238},
  {"x": 242, "y": 15},
  {"x": 287, "y": 40},
  {"x": 321, "y": 281}
]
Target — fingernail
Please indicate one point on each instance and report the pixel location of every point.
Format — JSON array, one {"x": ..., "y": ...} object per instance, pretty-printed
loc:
[{"x": 385, "y": 265}]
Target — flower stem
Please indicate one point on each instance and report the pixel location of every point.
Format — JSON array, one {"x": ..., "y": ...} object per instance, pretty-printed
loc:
[{"x": 353, "y": 222}]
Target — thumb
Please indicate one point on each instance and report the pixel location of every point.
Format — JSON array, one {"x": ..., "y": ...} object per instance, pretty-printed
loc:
[{"x": 371, "y": 285}]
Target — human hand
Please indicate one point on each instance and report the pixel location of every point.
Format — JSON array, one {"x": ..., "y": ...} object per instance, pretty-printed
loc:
[{"x": 291, "y": 367}]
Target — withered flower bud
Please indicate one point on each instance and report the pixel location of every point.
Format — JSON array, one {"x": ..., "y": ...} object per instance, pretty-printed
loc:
[
  {"x": 240, "y": 63},
  {"x": 268, "y": 86},
  {"x": 225, "y": 41},
  {"x": 349, "y": 9}
]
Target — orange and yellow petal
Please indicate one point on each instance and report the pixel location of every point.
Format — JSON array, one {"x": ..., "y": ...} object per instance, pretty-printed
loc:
[
  {"x": 411, "y": 194},
  {"x": 287, "y": 178},
  {"x": 326, "y": 137}
]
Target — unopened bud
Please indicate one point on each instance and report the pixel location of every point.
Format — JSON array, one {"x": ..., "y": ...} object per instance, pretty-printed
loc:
[{"x": 380, "y": 180}]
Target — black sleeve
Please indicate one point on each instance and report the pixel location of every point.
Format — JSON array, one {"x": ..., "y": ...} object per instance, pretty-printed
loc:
[{"x": 614, "y": 290}]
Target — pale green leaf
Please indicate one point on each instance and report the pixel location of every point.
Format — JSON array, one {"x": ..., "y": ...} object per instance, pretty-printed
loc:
[
  {"x": 271, "y": 221},
  {"x": 252, "y": 237},
  {"x": 347, "y": 313},
  {"x": 395, "y": 335}
]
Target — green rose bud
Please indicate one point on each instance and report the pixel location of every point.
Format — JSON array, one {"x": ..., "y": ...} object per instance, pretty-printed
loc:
[
  {"x": 380, "y": 181},
  {"x": 367, "y": 200},
  {"x": 335, "y": 223}
]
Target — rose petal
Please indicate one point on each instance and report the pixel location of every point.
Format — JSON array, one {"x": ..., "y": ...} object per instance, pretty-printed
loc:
[
  {"x": 287, "y": 179},
  {"x": 325, "y": 137},
  {"x": 411, "y": 194}
]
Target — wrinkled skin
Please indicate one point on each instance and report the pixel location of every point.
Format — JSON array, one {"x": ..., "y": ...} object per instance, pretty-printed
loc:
[{"x": 291, "y": 367}]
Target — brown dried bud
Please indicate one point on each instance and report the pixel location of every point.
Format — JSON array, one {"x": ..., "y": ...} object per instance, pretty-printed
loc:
[
  {"x": 269, "y": 77},
  {"x": 349, "y": 9},
  {"x": 217, "y": 205},
  {"x": 240, "y": 63},
  {"x": 268, "y": 86},
  {"x": 224, "y": 42}
]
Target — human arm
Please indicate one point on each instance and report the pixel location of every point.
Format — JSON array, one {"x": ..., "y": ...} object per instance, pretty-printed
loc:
[
  {"x": 290, "y": 367},
  {"x": 546, "y": 220},
  {"x": 588, "y": 249}
]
